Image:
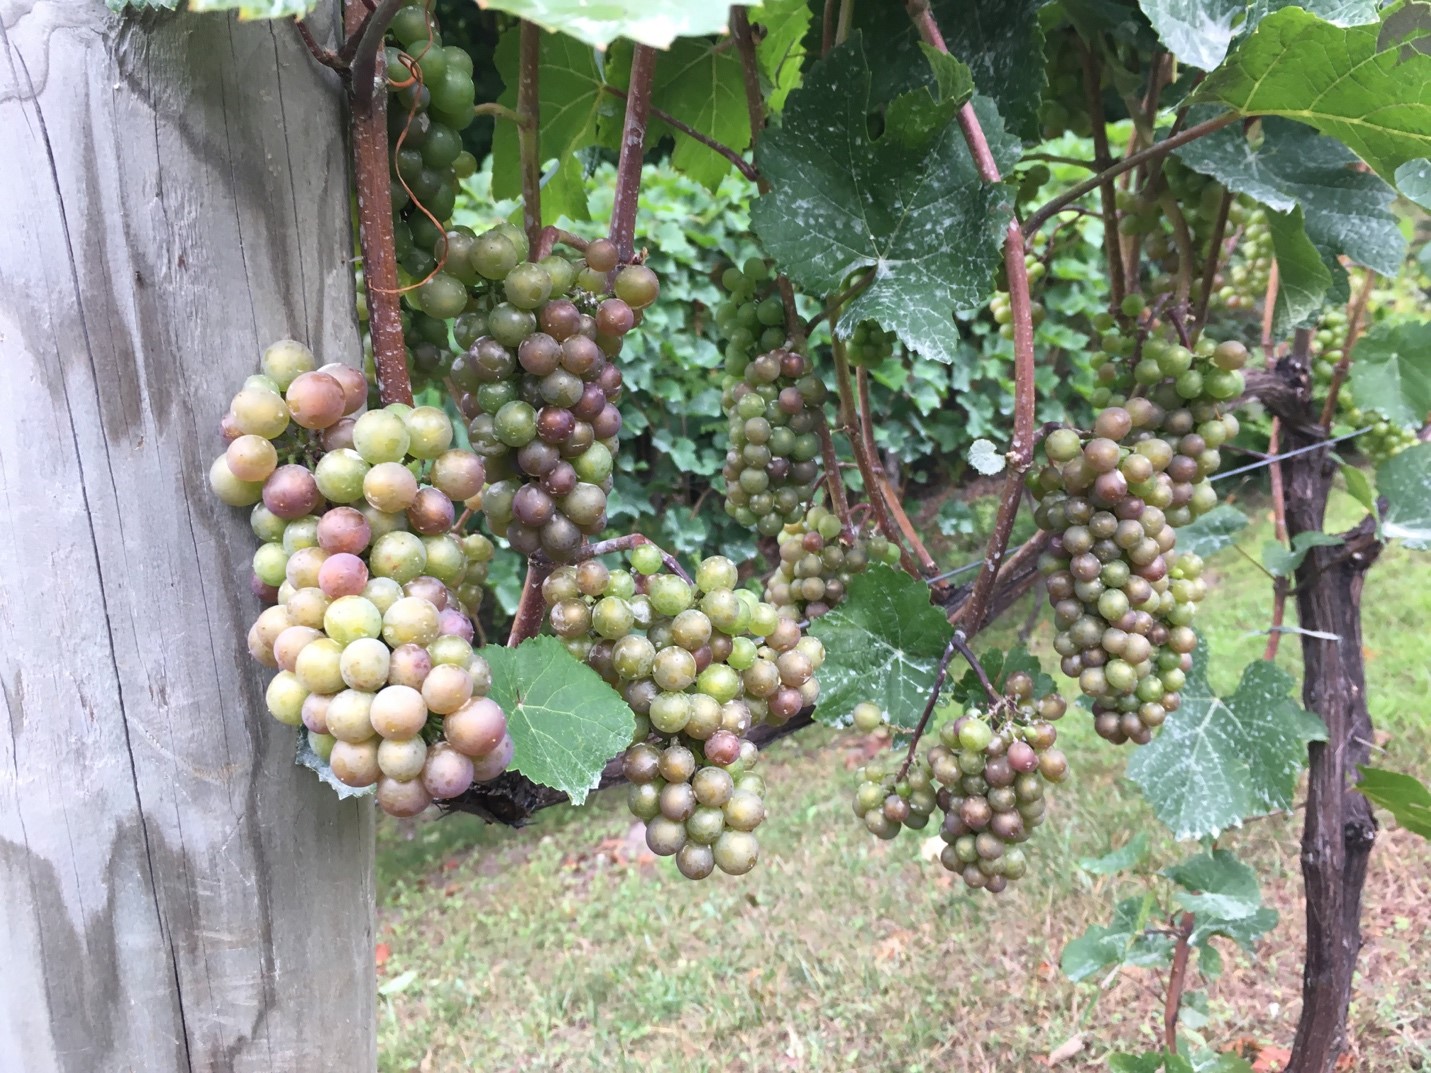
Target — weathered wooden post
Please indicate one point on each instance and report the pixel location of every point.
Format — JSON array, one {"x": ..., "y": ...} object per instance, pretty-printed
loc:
[{"x": 174, "y": 894}]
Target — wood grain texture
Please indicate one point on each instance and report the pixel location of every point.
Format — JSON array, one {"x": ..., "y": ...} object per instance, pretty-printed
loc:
[{"x": 174, "y": 894}]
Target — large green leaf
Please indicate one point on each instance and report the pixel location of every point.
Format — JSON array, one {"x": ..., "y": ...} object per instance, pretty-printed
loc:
[
  {"x": 702, "y": 86},
  {"x": 781, "y": 50},
  {"x": 599, "y": 22},
  {"x": 1282, "y": 561},
  {"x": 1337, "y": 79},
  {"x": 882, "y": 645},
  {"x": 570, "y": 99},
  {"x": 565, "y": 721},
  {"x": 1000, "y": 41},
  {"x": 1195, "y": 31},
  {"x": 1404, "y": 797},
  {"x": 1222, "y": 894},
  {"x": 1125, "y": 940},
  {"x": 1219, "y": 760},
  {"x": 907, "y": 205},
  {"x": 1392, "y": 371},
  {"x": 1288, "y": 167},
  {"x": 1305, "y": 277},
  {"x": 1215, "y": 530},
  {"x": 1405, "y": 482}
]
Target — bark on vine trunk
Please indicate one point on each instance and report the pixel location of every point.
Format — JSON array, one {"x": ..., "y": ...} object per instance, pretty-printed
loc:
[
  {"x": 175, "y": 895},
  {"x": 1339, "y": 829}
]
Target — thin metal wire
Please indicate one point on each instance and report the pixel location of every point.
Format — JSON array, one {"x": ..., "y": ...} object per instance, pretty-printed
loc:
[
  {"x": 1289, "y": 454},
  {"x": 955, "y": 572}
]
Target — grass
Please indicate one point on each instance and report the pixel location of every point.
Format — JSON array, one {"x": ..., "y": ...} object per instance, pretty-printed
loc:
[{"x": 566, "y": 947}]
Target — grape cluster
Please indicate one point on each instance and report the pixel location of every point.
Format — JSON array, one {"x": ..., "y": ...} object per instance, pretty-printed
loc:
[
  {"x": 817, "y": 562},
  {"x": 869, "y": 345},
  {"x": 699, "y": 663},
  {"x": 991, "y": 768},
  {"x": 1123, "y": 600},
  {"x": 541, "y": 385},
  {"x": 1064, "y": 106},
  {"x": 1384, "y": 439},
  {"x": 430, "y": 99},
  {"x": 775, "y": 407},
  {"x": 751, "y": 319},
  {"x": 985, "y": 777},
  {"x": 364, "y": 577},
  {"x": 1241, "y": 285}
]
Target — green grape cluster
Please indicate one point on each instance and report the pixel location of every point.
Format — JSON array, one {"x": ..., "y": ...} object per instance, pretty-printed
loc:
[
  {"x": 1065, "y": 101},
  {"x": 751, "y": 319},
  {"x": 366, "y": 579},
  {"x": 430, "y": 102},
  {"x": 541, "y": 386},
  {"x": 1123, "y": 600},
  {"x": 991, "y": 767},
  {"x": 869, "y": 345},
  {"x": 887, "y": 802},
  {"x": 775, "y": 407},
  {"x": 1384, "y": 439},
  {"x": 1198, "y": 198},
  {"x": 700, "y": 664},
  {"x": 1328, "y": 347},
  {"x": 1242, "y": 285},
  {"x": 817, "y": 562}
]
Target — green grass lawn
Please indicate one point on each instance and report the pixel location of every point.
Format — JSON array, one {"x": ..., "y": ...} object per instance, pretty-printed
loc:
[{"x": 565, "y": 946}]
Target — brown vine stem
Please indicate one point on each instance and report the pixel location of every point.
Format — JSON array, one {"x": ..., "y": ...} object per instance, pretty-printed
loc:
[
  {"x": 1182, "y": 238},
  {"x": 851, "y": 421},
  {"x": 623, "y": 543},
  {"x": 833, "y": 483},
  {"x": 529, "y": 127},
  {"x": 742, "y": 165},
  {"x": 1103, "y": 159},
  {"x": 749, "y": 70},
  {"x": 1214, "y": 257},
  {"x": 926, "y": 562},
  {"x": 1301, "y": 352},
  {"x": 1020, "y": 454},
  {"x": 1343, "y": 366},
  {"x": 1167, "y": 145},
  {"x": 1177, "y": 980},
  {"x": 940, "y": 673},
  {"x": 367, "y": 105},
  {"x": 531, "y": 609},
  {"x": 633, "y": 148}
]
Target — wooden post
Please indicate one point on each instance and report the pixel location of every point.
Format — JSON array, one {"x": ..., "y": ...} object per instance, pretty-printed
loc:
[{"x": 175, "y": 895}]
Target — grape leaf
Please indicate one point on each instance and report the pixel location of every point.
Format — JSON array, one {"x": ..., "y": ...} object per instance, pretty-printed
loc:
[
  {"x": 1338, "y": 12},
  {"x": 1215, "y": 530},
  {"x": 1359, "y": 487},
  {"x": 1219, "y": 760},
  {"x": 997, "y": 39},
  {"x": 306, "y": 757},
  {"x": 781, "y": 50},
  {"x": 570, "y": 98},
  {"x": 145, "y": 5},
  {"x": 882, "y": 645},
  {"x": 1413, "y": 179},
  {"x": 1283, "y": 562},
  {"x": 1405, "y": 482},
  {"x": 1403, "y": 796},
  {"x": 1147, "y": 1062},
  {"x": 1289, "y": 166},
  {"x": 565, "y": 721},
  {"x": 910, "y": 211},
  {"x": 702, "y": 87},
  {"x": 1197, "y": 32},
  {"x": 1222, "y": 894},
  {"x": 985, "y": 457},
  {"x": 1125, "y": 940},
  {"x": 1392, "y": 371},
  {"x": 998, "y": 665},
  {"x": 1126, "y": 857},
  {"x": 1339, "y": 80},
  {"x": 1305, "y": 277},
  {"x": 599, "y": 22}
]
